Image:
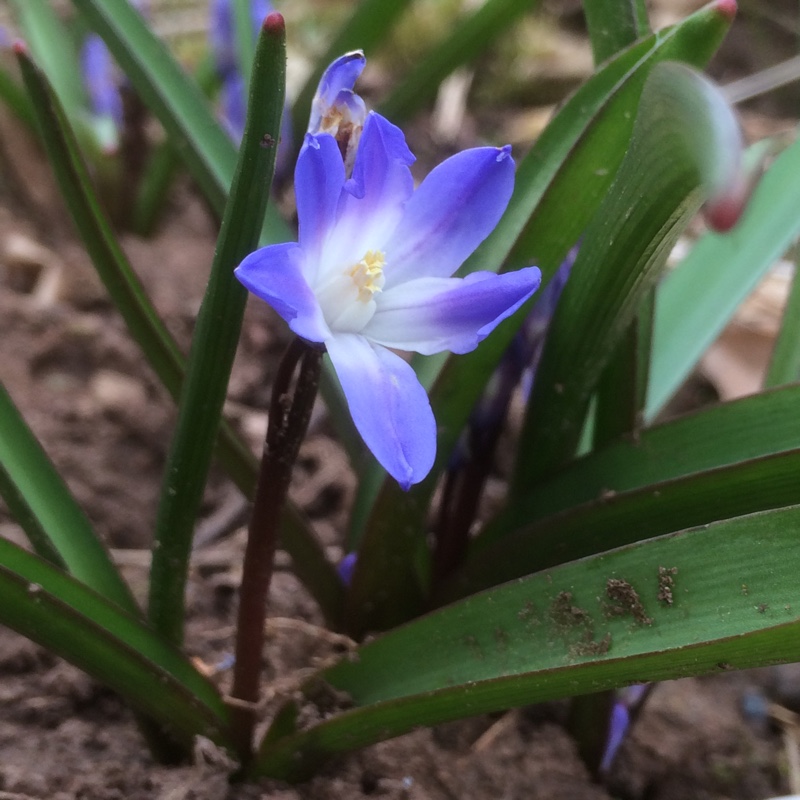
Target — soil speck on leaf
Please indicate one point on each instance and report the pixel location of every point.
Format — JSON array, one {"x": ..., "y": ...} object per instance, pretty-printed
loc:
[
  {"x": 624, "y": 600},
  {"x": 666, "y": 583}
]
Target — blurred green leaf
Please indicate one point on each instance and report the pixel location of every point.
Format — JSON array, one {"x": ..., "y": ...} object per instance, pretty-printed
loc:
[
  {"x": 12, "y": 95},
  {"x": 583, "y": 627},
  {"x": 559, "y": 185},
  {"x": 67, "y": 618},
  {"x": 698, "y": 298},
  {"x": 175, "y": 99},
  {"x": 51, "y": 45},
  {"x": 685, "y": 147},
  {"x": 784, "y": 366},
  {"x": 469, "y": 38},
  {"x": 613, "y": 25}
]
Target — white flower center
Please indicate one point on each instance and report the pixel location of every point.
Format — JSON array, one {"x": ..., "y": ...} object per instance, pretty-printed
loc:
[{"x": 347, "y": 297}]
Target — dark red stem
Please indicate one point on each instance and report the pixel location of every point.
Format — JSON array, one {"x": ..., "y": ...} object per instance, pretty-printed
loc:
[{"x": 288, "y": 421}]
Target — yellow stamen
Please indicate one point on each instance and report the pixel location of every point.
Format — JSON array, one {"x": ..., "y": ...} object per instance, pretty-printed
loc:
[{"x": 367, "y": 274}]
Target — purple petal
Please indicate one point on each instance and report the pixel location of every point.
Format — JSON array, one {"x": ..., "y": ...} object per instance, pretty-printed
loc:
[
  {"x": 346, "y": 568},
  {"x": 258, "y": 12},
  {"x": 222, "y": 31},
  {"x": 221, "y": 36},
  {"x": 275, "y": 274},
  {"x": 376, "y": 196},
  {"x": 388, "y": 405},
  {"x": 318, "y": 180},
  {"x": 100, "y": 77},
  {"x": 430, "y": 315},
  {"x": 618, "y": 727},
  {"x": 233, "y": 105},
  {"x": 452, "y": 212},
  {"x": 340, "y": 76}
]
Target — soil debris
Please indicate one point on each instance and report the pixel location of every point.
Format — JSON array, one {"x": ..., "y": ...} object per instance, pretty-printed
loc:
[
  {"x": 566, "y": 615},
  {"x": 624, "y": 600},
  {"x": 666, "y": 584}
]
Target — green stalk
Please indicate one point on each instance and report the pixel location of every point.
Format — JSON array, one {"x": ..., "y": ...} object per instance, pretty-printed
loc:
[{"x": 216, "y": 337}]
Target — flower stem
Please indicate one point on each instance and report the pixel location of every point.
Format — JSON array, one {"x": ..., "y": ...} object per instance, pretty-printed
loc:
[{"x": 288, "y": 420}]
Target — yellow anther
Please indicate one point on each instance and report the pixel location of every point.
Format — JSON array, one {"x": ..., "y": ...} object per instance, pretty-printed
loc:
[{"x": 367, "y": 274}]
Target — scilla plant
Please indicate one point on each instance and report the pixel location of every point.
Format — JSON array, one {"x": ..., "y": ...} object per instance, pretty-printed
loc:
[{"x": 620, "y": 553}]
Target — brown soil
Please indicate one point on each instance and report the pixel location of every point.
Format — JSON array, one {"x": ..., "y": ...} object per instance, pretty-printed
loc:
[{"x": 99, "y": 411}]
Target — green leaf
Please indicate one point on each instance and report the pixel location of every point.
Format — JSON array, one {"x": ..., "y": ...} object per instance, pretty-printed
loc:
[
  {"x": 784, "y": 366},
  {"x": 468, "y": 39},
  {"x": 559, "y": 185},
  {"x": 686, "y": 144},
  {"x": 566, "y": 174},
  {"x": 159, "y": 174},
  {"x": 625, "y": 517},
  {"x": 71, "y": 620},
  {"x": 175, "y": 99},
  {"x": 696, "y": 300},
  {"x": 51, "y": 45},
  {"x": 751, "y": 427},
  {"x": 44, "y": 506},
  {"x": 613, "y": 25},
  {"x": 215, "y": 339},
  {"x": 622, "y": 388},
  {"x": 584, "y": 627},
  {"x": 12, "y": 95}
]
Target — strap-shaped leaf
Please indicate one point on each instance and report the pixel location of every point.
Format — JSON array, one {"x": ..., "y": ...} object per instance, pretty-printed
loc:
[
  {"x": 728, "y": 433},
  {"x": 686, "y": 148},
  {"x": 63, "y": 615},
  {"x": 44, "y": 506},
  {"x": 697, "y": 299},
  {"x": 784, "y": 366},
  {"x": 559, "y": 185},
  {"x": 619, "y": 519},
  {"x": 52, "y": 46},
  {"x": 661, "y": 609}
]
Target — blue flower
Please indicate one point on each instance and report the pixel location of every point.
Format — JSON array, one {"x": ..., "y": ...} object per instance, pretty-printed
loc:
[
  {"x": 371, "y": 274},
  {"x": 233, "y": 92},
  {"x": 337, "y": 109},
  {"x": 103, "y": 80}
]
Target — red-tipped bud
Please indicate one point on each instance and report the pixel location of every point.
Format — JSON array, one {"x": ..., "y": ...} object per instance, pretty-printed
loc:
[
  {"x": 727, "y": 8},
  {"x": 724, "y": 211},
  {"x": 19, "y": 47},
  {"x": 274, "y": 24}
]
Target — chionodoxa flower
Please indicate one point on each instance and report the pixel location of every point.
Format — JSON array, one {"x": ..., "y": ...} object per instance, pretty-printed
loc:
[{"x": 371, "y": 273}]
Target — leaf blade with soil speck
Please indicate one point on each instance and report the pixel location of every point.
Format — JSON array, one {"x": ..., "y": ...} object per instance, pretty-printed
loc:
[{"x": 426, "y": 672}]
